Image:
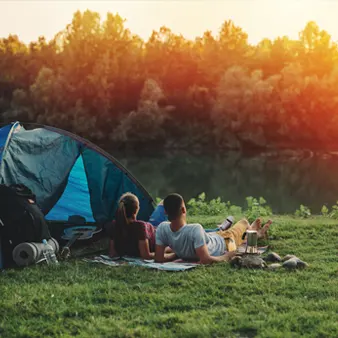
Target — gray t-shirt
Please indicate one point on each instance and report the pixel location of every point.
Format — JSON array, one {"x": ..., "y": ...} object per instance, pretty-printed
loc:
[{"x": 190, "y": 237}]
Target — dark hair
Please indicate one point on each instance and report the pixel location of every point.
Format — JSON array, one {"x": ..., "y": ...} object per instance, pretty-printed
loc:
[
  {"x": 172, "y": 206},
  {"x": 127, "y": 207}
]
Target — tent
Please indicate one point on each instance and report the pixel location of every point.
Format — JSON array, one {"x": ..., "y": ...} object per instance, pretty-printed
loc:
[{"x": 68, "y": 174}]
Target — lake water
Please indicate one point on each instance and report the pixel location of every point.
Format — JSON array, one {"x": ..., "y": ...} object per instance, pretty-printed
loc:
[{"x": 285, "y": 181}]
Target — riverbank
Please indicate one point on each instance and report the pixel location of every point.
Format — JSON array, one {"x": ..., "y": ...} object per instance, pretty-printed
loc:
[
  {"x": 285, "y": 182},
  {"x": 99, "y": 301}
]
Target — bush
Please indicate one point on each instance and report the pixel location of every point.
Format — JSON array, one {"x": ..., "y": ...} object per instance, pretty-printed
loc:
[
  {"x": 334, "y": 211},
  {"x": 158, "y": 200},
  {"x": 214, "y": 207},
  {"x": 324, "y": 211},
  {"x": 199, "y": 206},
  {"x": 303, "y": 211},
  {"x": 256, "y": 208}
]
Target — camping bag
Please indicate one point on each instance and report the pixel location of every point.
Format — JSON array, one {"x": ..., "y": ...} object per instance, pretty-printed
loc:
[{"x": 21, "y": 220}]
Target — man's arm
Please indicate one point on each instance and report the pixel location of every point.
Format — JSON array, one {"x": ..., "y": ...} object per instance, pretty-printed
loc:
[
  {"x": 161, "y": 257},
  {"x": 205, "y": 258}
]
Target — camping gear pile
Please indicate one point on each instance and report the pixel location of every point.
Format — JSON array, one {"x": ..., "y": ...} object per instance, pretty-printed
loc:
[
  {"x": 250, "y": 258},
  {"x": 68, "y": 177},
  {"x": 21, "y": 221}
]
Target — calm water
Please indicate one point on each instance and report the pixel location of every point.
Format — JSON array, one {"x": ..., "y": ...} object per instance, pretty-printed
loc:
[{"x": 284, "y": 181}]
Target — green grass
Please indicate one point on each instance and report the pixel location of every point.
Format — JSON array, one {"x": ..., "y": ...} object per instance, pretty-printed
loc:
[{"x": 91, "y": 300}]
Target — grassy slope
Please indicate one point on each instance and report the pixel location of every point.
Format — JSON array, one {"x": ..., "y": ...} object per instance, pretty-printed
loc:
[{"x": 214, "y": 301}]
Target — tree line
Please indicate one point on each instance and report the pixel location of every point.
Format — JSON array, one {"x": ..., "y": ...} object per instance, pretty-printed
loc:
[{"x": 97, "y": 79}]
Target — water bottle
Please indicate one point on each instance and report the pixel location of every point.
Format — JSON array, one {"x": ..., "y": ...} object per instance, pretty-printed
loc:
[
  {"x": 227, "y": 223},
  {"x": 49, "y": 254}
]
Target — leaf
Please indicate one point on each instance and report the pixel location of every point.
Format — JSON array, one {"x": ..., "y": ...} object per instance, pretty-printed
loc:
[{"x": 201, "y": 196}]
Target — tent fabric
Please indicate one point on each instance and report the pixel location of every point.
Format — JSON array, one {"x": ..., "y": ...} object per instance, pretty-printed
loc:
[
  {"x": 75, "y": 199},
  {"x": 108, "y": 183},
  {"x": 69, "y": 175},
  {"x": 3, "y": 137},
  {"x": 40, "y": 159}
]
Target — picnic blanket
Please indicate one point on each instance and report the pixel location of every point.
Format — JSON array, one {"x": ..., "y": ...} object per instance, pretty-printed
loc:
[
  {"x": 177, "y": 265},
  {"x": 169, "y": 266}
]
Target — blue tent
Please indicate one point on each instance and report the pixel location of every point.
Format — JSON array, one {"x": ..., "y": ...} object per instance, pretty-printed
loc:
[{"x": 68, "y": 174}]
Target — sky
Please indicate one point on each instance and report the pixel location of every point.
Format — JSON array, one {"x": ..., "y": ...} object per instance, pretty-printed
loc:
[{"x": 259, "y": 18}]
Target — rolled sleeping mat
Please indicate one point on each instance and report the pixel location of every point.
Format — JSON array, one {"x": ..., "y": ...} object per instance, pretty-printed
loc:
[{"x": 25, "y": 254}]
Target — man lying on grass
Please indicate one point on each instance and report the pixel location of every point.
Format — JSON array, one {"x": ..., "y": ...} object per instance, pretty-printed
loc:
[{"x": 191, "y": 242}]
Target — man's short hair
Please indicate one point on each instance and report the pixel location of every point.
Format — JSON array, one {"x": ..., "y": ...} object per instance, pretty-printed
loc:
[{"x": 173, "y": 206}]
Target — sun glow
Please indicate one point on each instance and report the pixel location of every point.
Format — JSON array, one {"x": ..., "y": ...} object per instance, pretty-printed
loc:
[{"x": 259, "y": 18}]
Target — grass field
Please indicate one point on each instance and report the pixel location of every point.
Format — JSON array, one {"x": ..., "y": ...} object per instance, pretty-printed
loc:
[{"x": 87, "y": 300}]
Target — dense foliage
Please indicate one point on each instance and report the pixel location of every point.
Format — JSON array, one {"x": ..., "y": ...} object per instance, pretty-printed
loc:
[
  {"x": 99, "y": 80},
  {"x": 255, "y": 208}
]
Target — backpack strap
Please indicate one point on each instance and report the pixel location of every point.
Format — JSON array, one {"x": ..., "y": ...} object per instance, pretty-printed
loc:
[{"x": 23, "y": 191}]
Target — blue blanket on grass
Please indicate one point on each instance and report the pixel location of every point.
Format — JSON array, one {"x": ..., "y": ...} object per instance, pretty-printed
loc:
[
  {"x": 178, "y": 265},
  {"x": 169, "y": 266}
]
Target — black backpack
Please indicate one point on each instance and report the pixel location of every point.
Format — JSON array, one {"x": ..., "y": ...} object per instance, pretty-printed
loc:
[{"x": 21, "y": 220}]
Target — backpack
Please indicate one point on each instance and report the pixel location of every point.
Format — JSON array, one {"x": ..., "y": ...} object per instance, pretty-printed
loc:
[{"x": 21, "y": 220}]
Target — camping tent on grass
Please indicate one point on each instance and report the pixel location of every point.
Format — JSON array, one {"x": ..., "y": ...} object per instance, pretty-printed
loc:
[{"x": 68, "y": 174}]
